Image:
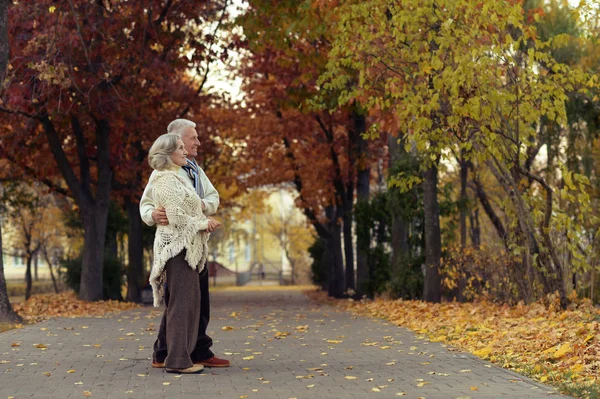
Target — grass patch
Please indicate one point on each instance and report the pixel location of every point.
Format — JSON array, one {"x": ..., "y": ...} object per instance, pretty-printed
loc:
[
  {"x": 18, "y": 288},
  {"x": 586, "y": 391}
]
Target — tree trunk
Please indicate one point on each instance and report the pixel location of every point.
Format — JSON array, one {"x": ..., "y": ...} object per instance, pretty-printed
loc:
[
  {"x": 475, "y": 228},
  {"x": 463, "y": 200},
  {"x": 489, "y": 210},
  {"x": 47, "y": 259},
  {"x": 94, "y": 226},
  {"x": 400, "y": 248},
  {"x": 28, "y": 282},
  {"x": 7, "y": 313},
  {"x": 135, "y": 270},
  {"x": 348, "y": 242},
  {"x": 336, "y": 281},
  {"x": 363, "y": 174},
  {"x": 93, "y": 208},
  {"x": 432, "y": 291},
  {"x": 35, "y": 267}
]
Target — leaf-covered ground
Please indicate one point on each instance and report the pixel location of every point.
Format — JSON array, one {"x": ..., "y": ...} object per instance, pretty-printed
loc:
[
  {"x": 66, "y": 304},
  {"x": 557, "y": 347}
]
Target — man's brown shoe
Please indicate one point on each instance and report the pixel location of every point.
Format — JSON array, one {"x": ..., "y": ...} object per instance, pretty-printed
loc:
[
  {"x": 214, "y": 362},
  {"x": 158, "y": 365}
]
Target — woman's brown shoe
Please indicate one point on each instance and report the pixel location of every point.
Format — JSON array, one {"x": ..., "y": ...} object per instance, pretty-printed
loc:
[{"x": 195, "y": 369}]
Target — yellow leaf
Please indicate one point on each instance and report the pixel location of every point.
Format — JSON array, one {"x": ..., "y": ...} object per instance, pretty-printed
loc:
[
  {"x": 483, "y": 353},
  {"x": 166, "y": 383},
  {"x": 226, "y": 328},
  {"x": 375, "y": 389},
  {"x": 350, "y": 377},
  {"x": 576, "y": 368},
  {"x": 41, "y": 346},
  {"x": 248, "y": 358},
  {"x": 70, "y": 371},
  {"x": 334, "y": 341},
  {"x": 423, "y": 383},
  {"x": 562, "y": 351},
  {"x": 474, "y": 389},
  {"x": 87, "y": 393}
]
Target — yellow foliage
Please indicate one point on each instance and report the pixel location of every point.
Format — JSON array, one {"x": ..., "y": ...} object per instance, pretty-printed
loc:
[
  {"x": 562, "y": 351},
  {"x": 483, "y": 353},
  {"x": 549, "y": 344}
]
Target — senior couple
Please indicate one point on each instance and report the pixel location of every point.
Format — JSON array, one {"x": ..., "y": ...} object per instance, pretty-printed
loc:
[{"x": 179, "y": 199}]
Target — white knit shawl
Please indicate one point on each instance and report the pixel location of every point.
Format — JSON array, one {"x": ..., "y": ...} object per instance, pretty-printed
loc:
[{"x": 186, "y": 229}]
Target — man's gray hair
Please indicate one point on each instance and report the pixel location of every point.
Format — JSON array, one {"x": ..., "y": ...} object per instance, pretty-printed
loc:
[
  {"x": 179, "y": 125},
  {"x": 159, "y": 156}
]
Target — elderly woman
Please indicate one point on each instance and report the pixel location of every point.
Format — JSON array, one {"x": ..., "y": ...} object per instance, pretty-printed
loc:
[{"x": 180, "y": 251}]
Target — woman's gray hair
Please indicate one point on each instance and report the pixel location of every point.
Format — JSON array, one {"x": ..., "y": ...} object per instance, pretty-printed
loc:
[
  {"x": 179, "y": 125},
  {"x": 159, "y": 156}
]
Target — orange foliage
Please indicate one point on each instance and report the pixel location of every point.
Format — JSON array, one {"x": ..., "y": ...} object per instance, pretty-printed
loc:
[{"x": 66, "y": 304}]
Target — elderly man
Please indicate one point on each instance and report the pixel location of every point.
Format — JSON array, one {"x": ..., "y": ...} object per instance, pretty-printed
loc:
[{"x": 202, "y": 355}]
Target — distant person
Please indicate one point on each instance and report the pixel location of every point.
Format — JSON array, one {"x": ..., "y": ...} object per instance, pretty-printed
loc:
[{"x": 151, "y": 215}]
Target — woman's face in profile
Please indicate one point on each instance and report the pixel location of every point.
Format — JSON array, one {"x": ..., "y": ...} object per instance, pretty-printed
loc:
[{"x": 179, "y": 155}]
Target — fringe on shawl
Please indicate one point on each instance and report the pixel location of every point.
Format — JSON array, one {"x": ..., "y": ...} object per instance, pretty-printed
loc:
[{"x": 158, "y": 275}]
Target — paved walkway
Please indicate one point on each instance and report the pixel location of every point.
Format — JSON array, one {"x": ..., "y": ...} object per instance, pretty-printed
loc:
[{"x": 281, "y": 346}]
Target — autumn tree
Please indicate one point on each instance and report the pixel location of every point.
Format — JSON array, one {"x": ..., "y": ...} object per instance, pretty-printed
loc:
[
  {"x": 34, "y": 221},
  {"x": 451, "y": 75},
  {"x": 289, "y": 228},
  {"x": 318, "y": 151},
  {"x": 93, "y": 83},
  {"x": 6, "y": 311}
]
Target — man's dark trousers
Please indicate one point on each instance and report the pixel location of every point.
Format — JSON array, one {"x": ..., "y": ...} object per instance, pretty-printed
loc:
[{"x": 204, "y": 342}]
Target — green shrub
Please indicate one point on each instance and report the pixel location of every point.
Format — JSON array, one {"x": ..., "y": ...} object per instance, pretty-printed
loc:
[
  {"x": 112, "y": 276},
  {"x": 319, "y": 267}
]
